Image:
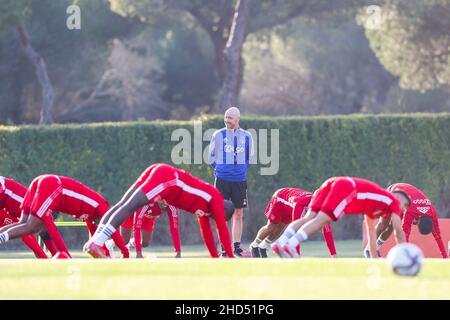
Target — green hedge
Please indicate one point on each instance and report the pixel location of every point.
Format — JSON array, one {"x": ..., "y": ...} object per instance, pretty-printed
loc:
[{"x": 109, "y": 157}]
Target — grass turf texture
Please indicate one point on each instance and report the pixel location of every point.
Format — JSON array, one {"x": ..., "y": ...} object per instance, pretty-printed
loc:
[{"x": 196, "y": 278}]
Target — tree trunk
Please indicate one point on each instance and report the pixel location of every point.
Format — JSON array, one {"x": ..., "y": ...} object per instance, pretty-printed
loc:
[
  {"x": 41, "y": 72},
  {"x": 219, "y": 47},
  {"x": 232, "y": 54}
]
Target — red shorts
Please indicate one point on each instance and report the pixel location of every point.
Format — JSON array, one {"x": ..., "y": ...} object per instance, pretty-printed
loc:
[
  {"x": 147, "y": 223},
  {"x": 46, "y": 195},
  {"x": 42, "y": 196},
  {"x": 155, "y": 179},
  {"x": 279, "y": 211},
  {"x": 333, "y": 196}
]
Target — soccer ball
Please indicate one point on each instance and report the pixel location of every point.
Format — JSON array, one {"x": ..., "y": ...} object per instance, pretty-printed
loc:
[{"x": 405, "y": 259}]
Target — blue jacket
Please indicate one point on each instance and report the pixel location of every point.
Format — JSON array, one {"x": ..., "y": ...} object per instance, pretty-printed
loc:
[{"x": 231, "y": 153}]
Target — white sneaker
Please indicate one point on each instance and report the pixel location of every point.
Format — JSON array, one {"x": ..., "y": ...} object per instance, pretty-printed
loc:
[
  {"x": 279, "y": 251},
  {"x": 291, "y": 251}
]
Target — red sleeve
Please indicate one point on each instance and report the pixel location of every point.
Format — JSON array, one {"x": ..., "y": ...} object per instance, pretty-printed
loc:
[
  {"x": 218, "y": 213},
  {"x": 32, "y": 243},
  {"x": 137, "y": 228},
  {"x": 437, "y": 234},
  {"x": 172, "y": 213},
  {"x": 328, "y": 235},
  {"x": 91, "y": 227},
  {"x": 120, "y": 243},
  {"x": 407, "y": 223},
  {"x": 208, "y": 236}
]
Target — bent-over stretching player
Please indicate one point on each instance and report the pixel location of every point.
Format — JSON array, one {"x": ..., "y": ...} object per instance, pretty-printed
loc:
[
  {"x": 179, "y": 189},
  {"x": 11, "y": 198},
  {"x": 286, "y": 205},
  {"x": 48, "y": 193},
  {"x": 420, "y": 212},
  {"x": 344, "y": 195}
]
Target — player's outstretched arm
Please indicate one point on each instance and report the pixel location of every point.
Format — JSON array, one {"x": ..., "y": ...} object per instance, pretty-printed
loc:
[
  {"x": 382, "y": 228},
  {"x": 208, "y": 236},
  {"x": 218, "y": 213},
  {"x": 438, "y": 238},
  {"x": 398, "y": 230},
  {"x": 174, "y": 231},
  {"x": 371, "y": 235},
  {"x": 137, "y": 230},
  {"x": 407, "y": 224}
]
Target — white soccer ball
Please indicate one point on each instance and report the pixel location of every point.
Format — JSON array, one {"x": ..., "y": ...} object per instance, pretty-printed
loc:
[{"x": 405, "y": 259}]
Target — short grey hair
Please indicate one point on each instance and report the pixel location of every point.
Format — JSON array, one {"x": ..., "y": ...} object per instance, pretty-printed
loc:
[{"x": 233, "y": 111}]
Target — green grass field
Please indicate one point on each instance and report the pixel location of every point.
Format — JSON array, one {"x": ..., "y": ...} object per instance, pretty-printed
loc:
[{"x": 197, "y": 277}]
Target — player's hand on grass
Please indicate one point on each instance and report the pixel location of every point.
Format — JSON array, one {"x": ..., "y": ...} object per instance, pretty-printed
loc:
[{"x": 367, "y": 253}]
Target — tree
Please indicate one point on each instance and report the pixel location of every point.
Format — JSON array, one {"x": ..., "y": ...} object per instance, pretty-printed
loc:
[
  {"x": 215, "y": 17},
  {"x": 77, "y": 59},
  {"x": 399, "y": 100},
  {"x": 413, "y": 43},
  {"x": 314, "y": 67},
  {"x": 129, "y": 88},
  {"x": 233, "y": 57},
  {"x": 12, "y": 14}
]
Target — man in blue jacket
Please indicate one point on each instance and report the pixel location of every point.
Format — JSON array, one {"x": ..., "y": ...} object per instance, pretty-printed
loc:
[{"x": 230, "y": 154}]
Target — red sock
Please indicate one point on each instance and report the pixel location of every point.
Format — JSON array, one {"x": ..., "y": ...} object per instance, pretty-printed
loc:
[
  {"x": 50, "y": 245},
  {"x": 328, "y": 235},
  {"x": 32, "y": 243},
  {"x": 55, "y": 235}
]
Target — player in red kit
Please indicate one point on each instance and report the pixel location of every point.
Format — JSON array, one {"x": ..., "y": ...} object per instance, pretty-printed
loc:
[
  {"x": 179, "y": 189},
  {"x": 286, "y": 205},
  {"x": 48, "y": 193},
  {"x": 344, "y": 195},
  {"x": 142, "y": 223},
  {"x": 11, "y": 197},
  {"x": 420, "y": 212}
]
